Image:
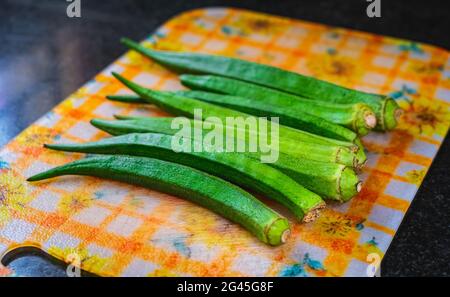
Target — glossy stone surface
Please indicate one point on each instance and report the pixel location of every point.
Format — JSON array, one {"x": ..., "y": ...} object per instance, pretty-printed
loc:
[{"x": 44, "y": 56}]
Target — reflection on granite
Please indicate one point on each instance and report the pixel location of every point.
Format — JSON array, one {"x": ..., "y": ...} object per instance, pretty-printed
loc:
[{"x": 44, "y": 56}]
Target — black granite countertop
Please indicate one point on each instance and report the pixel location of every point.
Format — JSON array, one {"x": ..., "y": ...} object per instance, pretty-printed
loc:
[{"x": 45, "y": 56}]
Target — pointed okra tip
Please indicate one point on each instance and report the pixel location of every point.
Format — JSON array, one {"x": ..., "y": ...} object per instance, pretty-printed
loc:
[
  {"x": 128, "y": 83},
  {"x": 144, "y": 93},
  {"x": 33, "y": 178},
  {"x": 96, "y": 122},
  {"x": 137, "y": 47},
  {"x": 47, "y": 146},
  {"x": 39, "y": 176},
  {"x": 123, "y": 117},
  {"x": 119, "y": 77},
  {"x": 126, "y": 98},
  {"x": 128, "y": 42}
]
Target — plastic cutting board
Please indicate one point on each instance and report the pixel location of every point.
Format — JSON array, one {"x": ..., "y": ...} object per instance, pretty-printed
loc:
[{"x": 120, "y": 230}]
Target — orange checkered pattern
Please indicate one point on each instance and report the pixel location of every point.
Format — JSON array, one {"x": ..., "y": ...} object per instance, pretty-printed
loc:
[{"x": 114, "y": 229}]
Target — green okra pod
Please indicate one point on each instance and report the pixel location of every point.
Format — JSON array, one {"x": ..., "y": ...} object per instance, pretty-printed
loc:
[
  {"x": 330, "y": 180},
  {"x": 288, "y": 117},
  {"x": 185, "y": 106},
  {"x": 234, "y": 167},
  {"x": 253, "y": 99},
  {"x": 385, "y": 108},
  {"x": 323, "y": 153},
  {"x": 320, "y": 127},
  {"x": 206, "y": 190},
  {"x": 311, "y": 144}
]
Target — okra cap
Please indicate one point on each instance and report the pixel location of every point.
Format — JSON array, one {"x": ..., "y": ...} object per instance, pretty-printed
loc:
[
  {"x": 278, "y": 232},
  {"x": 391, "y": 113}
]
